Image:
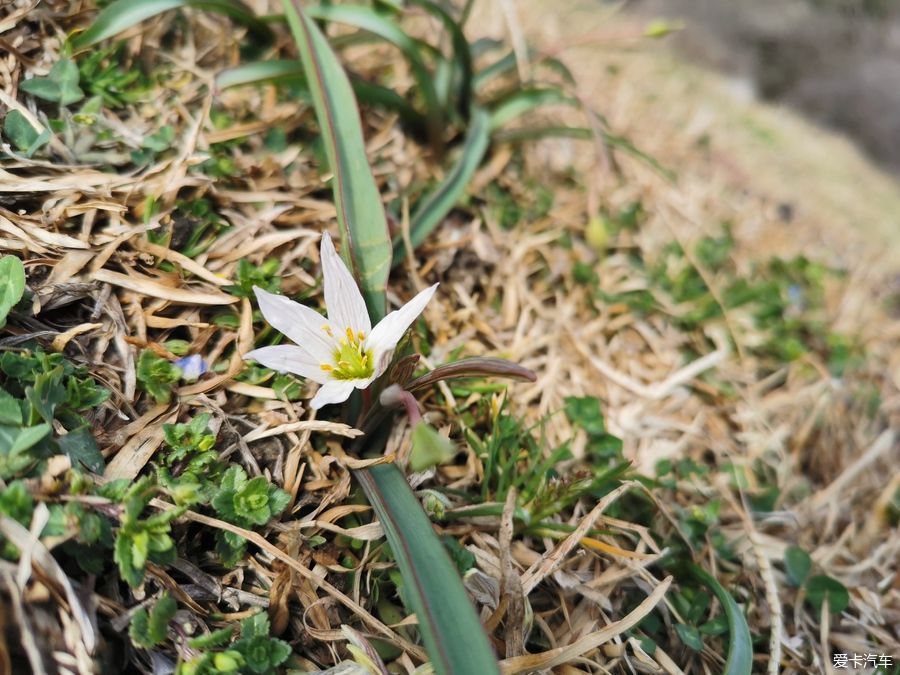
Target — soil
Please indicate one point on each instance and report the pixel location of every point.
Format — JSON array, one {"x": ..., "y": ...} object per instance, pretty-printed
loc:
[{"x": 836, "y": 62}]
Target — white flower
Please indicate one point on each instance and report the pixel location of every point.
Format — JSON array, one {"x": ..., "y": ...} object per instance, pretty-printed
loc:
[{"x": 343, "y": 352}]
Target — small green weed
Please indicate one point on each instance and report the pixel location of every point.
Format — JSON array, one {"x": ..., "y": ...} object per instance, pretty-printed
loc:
[
  {"x": 514, "y": 457},
  {"x": 60, "y": 85},
  {"x": 244, "y": 502},
  {"x": 38, "y": 390},
  {"x": 157, "y": 375}
]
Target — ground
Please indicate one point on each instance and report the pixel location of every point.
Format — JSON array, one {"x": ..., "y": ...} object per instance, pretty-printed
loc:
[{"x": 720, "y": 310}]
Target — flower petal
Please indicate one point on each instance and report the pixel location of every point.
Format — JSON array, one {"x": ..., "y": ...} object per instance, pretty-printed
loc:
[
  {"x": 335, "y": 391},
  {"x": 390, "y": 329},
  {"x": 300, "y": 323},
  {"x": 345, "y": 304},
  {"x": 289, "y": 359}
]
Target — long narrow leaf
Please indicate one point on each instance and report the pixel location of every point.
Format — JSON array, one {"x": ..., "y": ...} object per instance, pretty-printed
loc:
[
  {"x": 627, "y": 146},
  {"x": 123, "y": 14},
  {"x": 546, "y": 131},
  {"x": 584, "y": 134},
  {"x": 477, "y": 366},
  {"x": 453, "y": 635},
  {"x": 360, "y": 215},
  {"x": 434, "y": 207},
  {"x": 462, "y": 59},
  {"x": 508, "y": 63},
  {"x": 258, "y": 72},
  {"x": 414, "y": 50},
  {"x": 740, "y": 645},
  {"x": 525, "y": 100}
]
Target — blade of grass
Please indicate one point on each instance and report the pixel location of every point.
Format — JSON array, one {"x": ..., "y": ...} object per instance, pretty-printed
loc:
[
  {"x": 371, "y": 21},
  {"x": 453, "y": 635},
  {"x": 583, "y": 134},
  {"x": 257, "y": 72},
  {"x": 627, "y": 146},
  {"x": 360, "y": 214},
  {"x": 547, "y": 131},
  {"x": 740, "y": 646},
  {"x": 123, "y": 14},
  {"x": 436, "y": 205},
  {"x": 462, "y": 59},
  {"x": 525, "y": 100},
  {"x": 506, "y": 65}
]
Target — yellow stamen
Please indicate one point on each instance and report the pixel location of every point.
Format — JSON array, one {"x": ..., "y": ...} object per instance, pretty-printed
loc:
[
  {"x": 327, "y": 329},
  {"x": 352, "y": 361},
  {"x": 326, "y": 367}
]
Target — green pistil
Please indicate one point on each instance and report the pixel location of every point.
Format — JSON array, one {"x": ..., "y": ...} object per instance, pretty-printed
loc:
[{"x": 351, "y": 362}]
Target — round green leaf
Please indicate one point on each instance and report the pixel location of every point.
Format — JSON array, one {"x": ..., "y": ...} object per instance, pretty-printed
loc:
[
  {"x": 822, "y": 587},
  {"x": 19, "y": 130},
  {"x": 797, "y": 564},
  {"x": 12, "y": 284}
]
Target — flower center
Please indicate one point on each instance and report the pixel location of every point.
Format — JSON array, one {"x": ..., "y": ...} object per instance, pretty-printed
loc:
[{"x": 351, "y": 360}]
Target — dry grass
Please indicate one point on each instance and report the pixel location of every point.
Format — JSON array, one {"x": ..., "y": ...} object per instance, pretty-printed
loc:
[{"x": 100, "y": 296}]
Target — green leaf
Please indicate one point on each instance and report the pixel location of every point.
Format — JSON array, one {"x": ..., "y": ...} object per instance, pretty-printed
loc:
[
  {"x": 373, "y": 22},
  {"x": 585, "y": 412},
  {"x": 478, "y": 366},
  {"x": 531, "y": 133},
  {"x": 16, "y": 502},
  {"x": 366, "y": 244},
  {"x": 12, "y": 284},
  {"x": 123, "y": 14},
  {"x": 429, "y": 448},
  {"x": 434, "y": 207},
  {"x": 258, "y": 72},
  {"x": 690, "y": 636},
  {"x": 215, "y": 639},
  {"x": 262, "y": 653},
  {"x": 460, "y": 75},
  {"x": 123, "y": 555},
  {"x": 185, "y": 439},
  {"x": 821, "y": 588},
  {"x": 230, "y": 547},
  {"x": 22, "y": 135},
  {"x": 47, "y": 393},
  {"x": 739, "y": 659},
  {"x": 60, "y": 85},
  {"x": 248, "y": 502},
  {"x": 525, "y": 100},
  {"x": 15, "y": 440},
  {"x": 251, "y": 503},
  {"x": 462, "y": 557},
  {"x": 81, "y": 448},
  {"x": 454, "y": 637},
  {"x": 65, "y": 73},
  {"x": 10, "y": 409},
  {"x": 157, "y": 375},
  {"x": 148, "y": 629},
  {"x": 797, "y": 564},
  {"x": 42, "y": 87}
]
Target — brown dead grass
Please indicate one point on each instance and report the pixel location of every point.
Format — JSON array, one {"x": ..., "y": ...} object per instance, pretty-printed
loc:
[
  {"x": 737, "y": 162},
  {"x": 503, "y": 293}
]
